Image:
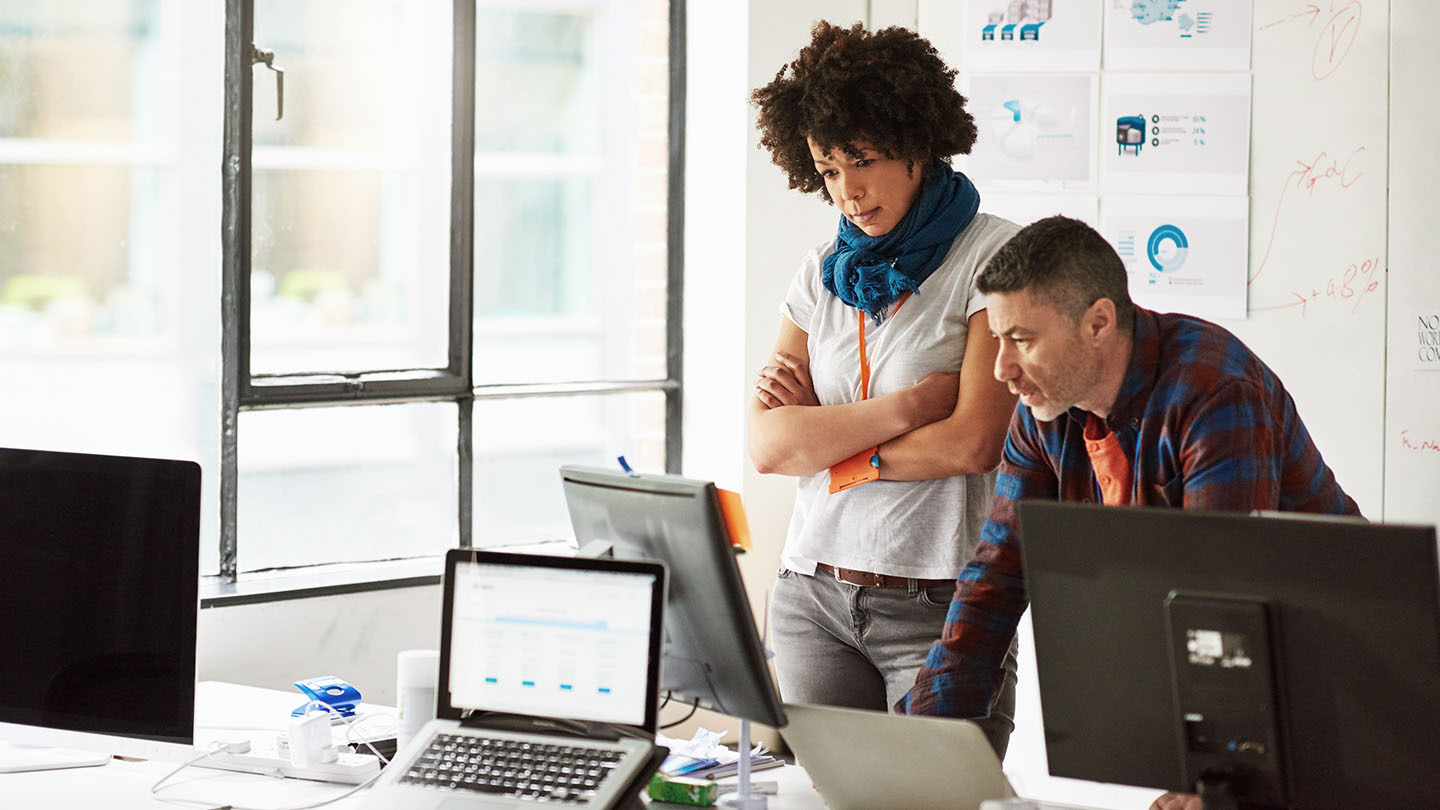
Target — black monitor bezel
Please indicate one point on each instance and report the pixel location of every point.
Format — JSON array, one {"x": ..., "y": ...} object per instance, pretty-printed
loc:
[
  {"x": 446, "y": 710},
  {"x": 736, "y": 670},
  {"x": 180, "y": 482}
]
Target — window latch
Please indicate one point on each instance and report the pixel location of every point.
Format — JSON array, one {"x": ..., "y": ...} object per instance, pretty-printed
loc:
[{"x": 260, "y": 56}]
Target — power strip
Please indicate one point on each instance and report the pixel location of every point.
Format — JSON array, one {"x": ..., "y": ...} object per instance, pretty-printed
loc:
[{"x": 348, "y": 769}]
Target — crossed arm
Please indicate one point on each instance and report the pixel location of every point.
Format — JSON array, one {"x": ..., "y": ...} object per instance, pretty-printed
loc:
[{"x": 946, "y": 424}]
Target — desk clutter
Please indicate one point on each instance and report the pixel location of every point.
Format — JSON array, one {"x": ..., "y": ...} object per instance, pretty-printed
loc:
[
  {"x": 328, "y": 738},
  {"x": 704, "y": 757}
]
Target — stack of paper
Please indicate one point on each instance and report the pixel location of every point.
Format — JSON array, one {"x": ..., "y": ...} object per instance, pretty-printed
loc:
[
  {"x": 722, "y": 771},
  {"x": 703, "y": 757}
]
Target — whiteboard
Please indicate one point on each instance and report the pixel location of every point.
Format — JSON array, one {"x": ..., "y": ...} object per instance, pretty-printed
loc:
[
  {"x": 1412, "y": 414},
  {"x": 1318, "y": 230}
]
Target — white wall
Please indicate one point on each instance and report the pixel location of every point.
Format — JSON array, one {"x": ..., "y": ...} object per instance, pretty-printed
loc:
[
  {"x": 352, "y": 636},
  {"x": 1412, "y": 418}
]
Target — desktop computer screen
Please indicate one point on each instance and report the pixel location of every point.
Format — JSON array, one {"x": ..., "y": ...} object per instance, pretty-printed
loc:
[
  {"x": 1283, "y": 661},
  {"x": 99, "y": 569},
  {"x": 712, "y": 653}
]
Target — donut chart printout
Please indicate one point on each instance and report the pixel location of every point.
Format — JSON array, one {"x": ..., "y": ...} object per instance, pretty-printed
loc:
[{"x": 1182, "y": 254}]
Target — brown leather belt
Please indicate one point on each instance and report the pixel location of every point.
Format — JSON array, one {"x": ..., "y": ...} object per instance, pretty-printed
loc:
[{"x": 869, "y": 580}]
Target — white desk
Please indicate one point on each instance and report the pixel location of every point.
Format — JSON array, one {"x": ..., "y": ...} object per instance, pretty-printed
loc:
[
  {"x": 221, "y": 709},
  {"x": 126, "y": 786},
  {"x": 228, "y": 708}
]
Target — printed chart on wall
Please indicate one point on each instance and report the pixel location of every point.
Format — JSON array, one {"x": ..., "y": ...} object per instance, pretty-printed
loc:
[
  {"x": 1182, "y": 254},
  {"x": 1035, "y": 131},
  {"x": 1014, "y": 35},
  {"x": 1177, "y": 132},
  {"x": 1177, "y": 34}
]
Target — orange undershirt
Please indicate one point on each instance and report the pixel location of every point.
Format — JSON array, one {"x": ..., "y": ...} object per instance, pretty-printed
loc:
[{"x": 1112, "y": 468}]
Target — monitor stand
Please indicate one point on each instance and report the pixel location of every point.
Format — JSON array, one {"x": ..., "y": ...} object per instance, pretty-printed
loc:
[
  {"x": 1217, "y": 791},
  {"x": 15, "y": 757},
  {"x": 742, "y": 799}
]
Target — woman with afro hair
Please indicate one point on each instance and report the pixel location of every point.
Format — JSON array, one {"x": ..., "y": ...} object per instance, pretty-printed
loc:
[{"x": 879, "y": 396}]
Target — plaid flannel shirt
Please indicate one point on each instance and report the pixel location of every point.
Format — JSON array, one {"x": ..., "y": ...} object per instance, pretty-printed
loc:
[{"x": 1206, "y": 424}]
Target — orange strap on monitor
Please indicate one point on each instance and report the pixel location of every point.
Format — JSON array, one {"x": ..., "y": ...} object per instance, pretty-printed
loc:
[{"x": 733, "y": 511}]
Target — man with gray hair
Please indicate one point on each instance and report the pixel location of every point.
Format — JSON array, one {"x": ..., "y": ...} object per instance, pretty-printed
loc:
[{"x": 1118, "y": 405}]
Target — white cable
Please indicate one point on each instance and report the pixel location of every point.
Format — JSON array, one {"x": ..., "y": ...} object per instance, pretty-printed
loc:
[
  {"x": 216, "y": 747},
  {"x": 350, "y": 724},
  {"x": 352, "y": 791},
  {"x": 241, "y": 747},
  {"x": 219, "y": 748}
]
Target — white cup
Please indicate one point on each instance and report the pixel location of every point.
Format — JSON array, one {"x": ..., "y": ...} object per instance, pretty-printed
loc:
[{"x": 416, "y": 672}]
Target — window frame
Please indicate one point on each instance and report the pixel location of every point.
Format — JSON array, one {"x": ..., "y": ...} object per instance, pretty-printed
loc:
[{"x": 242, "y": 390}]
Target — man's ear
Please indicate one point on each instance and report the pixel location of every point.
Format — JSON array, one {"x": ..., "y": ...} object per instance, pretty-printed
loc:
[{"x": 1098, "y": 323}]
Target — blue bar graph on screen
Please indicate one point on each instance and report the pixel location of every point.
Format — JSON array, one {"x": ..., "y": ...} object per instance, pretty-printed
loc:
[{"x": 564, "y": 625}]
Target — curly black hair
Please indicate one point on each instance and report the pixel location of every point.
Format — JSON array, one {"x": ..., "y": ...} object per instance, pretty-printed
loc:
[{"x": 888, "y": 89}]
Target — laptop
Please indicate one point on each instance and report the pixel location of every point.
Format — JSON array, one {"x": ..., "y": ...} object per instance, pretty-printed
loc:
[
  {"x": 870, "y": 760},
  {"x": 549, "y": 673}
]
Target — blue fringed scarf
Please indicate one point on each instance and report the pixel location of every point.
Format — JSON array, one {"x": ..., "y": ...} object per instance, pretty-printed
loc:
[{"x": 871, "y": 272}]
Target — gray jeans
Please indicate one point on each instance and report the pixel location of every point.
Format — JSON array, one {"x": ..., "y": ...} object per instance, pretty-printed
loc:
[{"x": 839, "y": 644}]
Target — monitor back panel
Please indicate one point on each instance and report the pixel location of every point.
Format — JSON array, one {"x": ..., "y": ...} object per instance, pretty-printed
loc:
[{"x": 1359, "y": 643}]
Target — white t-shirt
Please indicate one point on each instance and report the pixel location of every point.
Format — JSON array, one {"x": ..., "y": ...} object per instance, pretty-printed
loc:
[{"x": 922, "y": 529}]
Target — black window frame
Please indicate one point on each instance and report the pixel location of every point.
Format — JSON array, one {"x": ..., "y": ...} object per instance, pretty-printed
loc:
[{"x": 242, "y": 390}]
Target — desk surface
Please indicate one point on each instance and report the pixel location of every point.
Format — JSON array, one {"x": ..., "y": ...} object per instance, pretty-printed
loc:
[
  {"x": 126, "y": 786},
  {"x": 228, "y": 709}
]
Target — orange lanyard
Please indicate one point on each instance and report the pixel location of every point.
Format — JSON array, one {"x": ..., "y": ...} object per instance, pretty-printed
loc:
[{"x": 864, "y": 358}]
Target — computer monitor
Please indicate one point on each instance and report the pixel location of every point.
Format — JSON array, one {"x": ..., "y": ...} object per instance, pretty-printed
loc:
[
  {"x": 1283, "y": 661},
  {"x": 99, "y": 570},
  {"x": 712, "y": 653}
]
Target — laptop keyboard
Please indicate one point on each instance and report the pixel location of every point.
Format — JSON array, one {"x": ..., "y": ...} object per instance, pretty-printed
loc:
[{"x": 569, "y": 774}]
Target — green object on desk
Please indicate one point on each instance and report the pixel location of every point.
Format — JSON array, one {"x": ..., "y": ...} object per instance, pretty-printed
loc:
[{"x": 700, "y": 793}]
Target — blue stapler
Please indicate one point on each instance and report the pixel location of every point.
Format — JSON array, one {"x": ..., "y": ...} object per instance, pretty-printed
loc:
[{"x": 331, "y": 693}]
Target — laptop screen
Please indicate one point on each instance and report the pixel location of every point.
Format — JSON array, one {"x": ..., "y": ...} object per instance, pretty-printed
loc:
[{"x": 554, "y": 637}]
